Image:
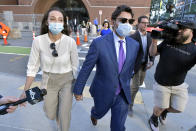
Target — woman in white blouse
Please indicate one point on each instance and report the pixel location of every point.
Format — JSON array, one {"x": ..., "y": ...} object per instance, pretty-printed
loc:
[{"x": 56, "y": 53}]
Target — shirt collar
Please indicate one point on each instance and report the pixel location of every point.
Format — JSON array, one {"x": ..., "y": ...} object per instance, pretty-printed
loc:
[
  {"x": 141, "y": 34},
  {"x": 116, "y": 38}
]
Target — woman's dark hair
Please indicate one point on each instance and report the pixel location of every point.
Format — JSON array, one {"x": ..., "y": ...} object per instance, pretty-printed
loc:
[
  {"x": 142, "y": 17},
  {"x": 44, "y": 25},
  {"x": 121, "y": 8},
  {"x": 106, "y": 22}
]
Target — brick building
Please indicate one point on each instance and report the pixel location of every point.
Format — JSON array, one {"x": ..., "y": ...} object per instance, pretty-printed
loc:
[{"x": 33, "y": 10}]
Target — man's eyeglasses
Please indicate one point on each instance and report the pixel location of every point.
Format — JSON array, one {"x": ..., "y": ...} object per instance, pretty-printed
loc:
[
  {"x": 124, "y": 20},
  {"x": 146, "y": 23},
  {"x": 54, "y": 52}
]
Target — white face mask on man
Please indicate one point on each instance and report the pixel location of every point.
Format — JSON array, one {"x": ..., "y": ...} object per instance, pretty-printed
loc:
[
  {"x": 55, "y": 28},
  {"x": 124, "y": 29}
]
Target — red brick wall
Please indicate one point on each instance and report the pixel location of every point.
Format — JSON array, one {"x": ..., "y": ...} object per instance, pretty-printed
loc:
[
  {"x": 140, "y": 7},
  {"x": 8, "y": 2},
  {"x": 43, "y": 5},
  {"x": 24, "y": 2},
  {"x": 19, "y": 9},
  {"x": 119, "y": 2}
]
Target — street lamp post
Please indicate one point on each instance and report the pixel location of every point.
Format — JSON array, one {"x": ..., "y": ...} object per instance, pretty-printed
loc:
[
  {"x": 182, "y": 15},
  {"x": 100, "y": 13}
]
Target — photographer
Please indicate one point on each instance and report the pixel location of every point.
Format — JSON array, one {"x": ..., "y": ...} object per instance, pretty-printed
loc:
[
  {"x": 5, "y": 100},
  {"x": 177, "y": 57}
]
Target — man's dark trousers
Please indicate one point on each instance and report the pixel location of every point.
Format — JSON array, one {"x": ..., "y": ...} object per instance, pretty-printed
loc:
[{"x": 119, "y": 110}]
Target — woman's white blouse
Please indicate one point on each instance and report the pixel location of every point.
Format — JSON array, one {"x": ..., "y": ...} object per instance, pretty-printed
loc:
[{"x": 41, "y": 56}]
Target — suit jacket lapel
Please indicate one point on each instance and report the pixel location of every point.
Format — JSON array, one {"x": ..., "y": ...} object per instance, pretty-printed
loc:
[
  {"x": 128, "y": 54},
  {"x": 112, "y": 49},
  {"x": 139, "y": 39},
  {"x": 148, "y": 40}
]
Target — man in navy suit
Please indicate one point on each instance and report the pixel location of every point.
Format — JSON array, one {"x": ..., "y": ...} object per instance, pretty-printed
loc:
[{"x": 114, "y": 56}]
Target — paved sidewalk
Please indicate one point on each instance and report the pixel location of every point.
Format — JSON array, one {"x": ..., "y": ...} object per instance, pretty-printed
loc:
[{"x": 32, "y": 117}]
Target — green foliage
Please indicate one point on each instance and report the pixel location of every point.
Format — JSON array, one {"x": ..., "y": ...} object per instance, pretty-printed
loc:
[
  {"x": 15, "y": 50},
  {"x": 193, "y": 8}
]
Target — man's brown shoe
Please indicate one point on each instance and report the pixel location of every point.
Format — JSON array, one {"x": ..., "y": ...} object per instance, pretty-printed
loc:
[{"x": 94, "y": 121}]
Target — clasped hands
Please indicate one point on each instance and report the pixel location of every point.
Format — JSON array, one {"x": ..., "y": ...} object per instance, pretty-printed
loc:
[{"x": 78, "y": 97}]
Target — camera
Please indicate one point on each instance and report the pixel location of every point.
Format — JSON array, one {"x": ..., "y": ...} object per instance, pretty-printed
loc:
[{"x": 171, "y": 29}]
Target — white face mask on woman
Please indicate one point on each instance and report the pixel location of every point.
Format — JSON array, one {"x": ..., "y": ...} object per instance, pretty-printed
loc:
[
  {"x": 124, "y": 29},
  {"x": 55, "y": 28}
]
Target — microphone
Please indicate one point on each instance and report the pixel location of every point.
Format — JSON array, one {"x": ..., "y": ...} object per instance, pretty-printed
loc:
[{"x": 33, "y": 96}]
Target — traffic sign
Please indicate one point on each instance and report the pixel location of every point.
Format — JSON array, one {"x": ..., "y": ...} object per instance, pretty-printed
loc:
[{"x": 100, "y": 12}]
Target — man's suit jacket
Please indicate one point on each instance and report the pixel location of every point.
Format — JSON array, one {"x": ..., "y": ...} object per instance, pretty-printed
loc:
[
  {"x": 102, "y": 53},
  {"x": 138, "y": 63}
]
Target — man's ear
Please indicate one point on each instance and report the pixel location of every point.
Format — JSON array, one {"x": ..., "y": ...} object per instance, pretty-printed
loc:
[{"x": 114, "y": 24}]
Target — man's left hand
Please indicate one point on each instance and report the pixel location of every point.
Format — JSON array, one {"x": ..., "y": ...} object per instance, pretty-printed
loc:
[{"x": 78, "y": 97}]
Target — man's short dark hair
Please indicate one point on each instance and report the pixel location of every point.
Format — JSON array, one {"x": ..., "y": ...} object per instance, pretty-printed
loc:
[
  {"x": 119, "y": 9},
  {"x": 142, "y": 17},
  {"x": 188, "y": 24}
]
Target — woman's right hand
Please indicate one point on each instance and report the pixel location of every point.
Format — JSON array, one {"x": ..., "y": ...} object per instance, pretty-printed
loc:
[{"x": 22, "y": 96}]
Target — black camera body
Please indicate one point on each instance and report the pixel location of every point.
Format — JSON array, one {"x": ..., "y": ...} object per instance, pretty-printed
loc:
[{"x": 171, "y": 29}]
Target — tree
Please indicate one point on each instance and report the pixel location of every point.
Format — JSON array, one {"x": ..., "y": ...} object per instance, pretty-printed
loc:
[{"x": 159, "y": 11}]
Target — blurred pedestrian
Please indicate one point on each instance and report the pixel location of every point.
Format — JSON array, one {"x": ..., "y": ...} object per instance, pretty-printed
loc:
[
  {"x": 88, "y": 26},
  {"x": 96, "y": 23},
  {"x": 83, "y": 26},
  {"x": 75, "y": 25},
  {"x": 144, "y": 60},
  {"x": 105, "y": 28},
  {"x": 114, "y": 56},
  {"x": 69, "y": 25},
  {"x": 56, "y": 53}
]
